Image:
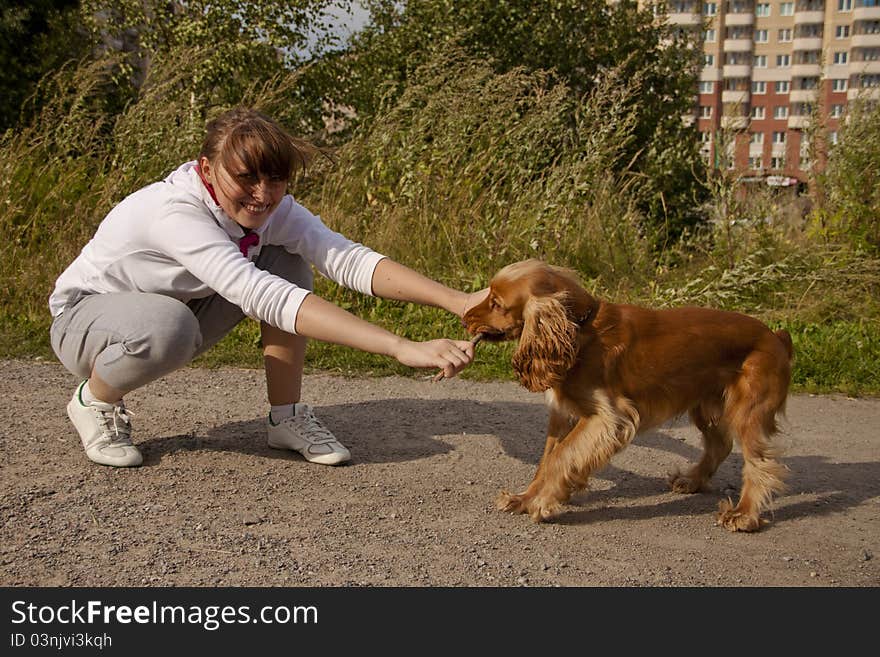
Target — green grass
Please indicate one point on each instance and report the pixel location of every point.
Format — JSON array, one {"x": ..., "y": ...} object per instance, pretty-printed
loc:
[
  {"x": 463, "y": 174},
  {"x": 836, "y": 357}
]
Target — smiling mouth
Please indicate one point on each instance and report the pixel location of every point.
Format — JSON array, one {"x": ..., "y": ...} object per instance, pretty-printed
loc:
[{"x": 254, "y": 208}]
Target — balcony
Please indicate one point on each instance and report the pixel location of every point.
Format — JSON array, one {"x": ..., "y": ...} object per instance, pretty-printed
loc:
[
  {"x": 737, "y": 97},
  {"x": 864, "y": 67},
  {"x": 798, "y": 122},
  {"x": 710, "y": 74},
  {"x": 805, "y": 17},
  {"x": 735, "y": 122},
  {"x": 802, "y": 95},
  {"x": 807, "y": 43},
  {"x": 737, "y": 45},
  {"x": 737, "y": 70},
  {"x": 865, "y": 40},
  {"x": 870, "y": 93},
  {"x": 772, "y": 74},
  {"x": 684, "y": 19},
  {"x": 746, "y": 18},
  {"x": 866, "y": 13},
  {"x": 806, "y": 71}
]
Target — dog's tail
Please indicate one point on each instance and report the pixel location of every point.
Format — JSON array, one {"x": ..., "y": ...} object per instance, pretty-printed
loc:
[{"x": 785, "y": 338}]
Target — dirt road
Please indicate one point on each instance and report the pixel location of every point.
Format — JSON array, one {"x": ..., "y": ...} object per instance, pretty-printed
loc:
[{"x": 212, "y": 505}]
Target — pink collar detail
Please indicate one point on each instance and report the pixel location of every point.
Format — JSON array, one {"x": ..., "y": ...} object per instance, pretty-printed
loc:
[{"x": 207, "y": 185}]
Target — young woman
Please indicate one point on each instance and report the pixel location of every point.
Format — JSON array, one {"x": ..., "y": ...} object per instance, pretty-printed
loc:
[{"x": 177, "y": 264}]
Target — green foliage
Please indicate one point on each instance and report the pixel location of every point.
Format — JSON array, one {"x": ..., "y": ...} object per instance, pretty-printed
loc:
[
  {"x": 479, "y": 168},
  {"x": 60, "y": 175},
  {"x": 229, "y": 44},
  {"x": 577, "y": 42},
  {"x": 469, "y": 158},
  {"x": 836, "y": 357},
  {"x": 852, "y": 179},
  {"x": 35, "y": 38}
]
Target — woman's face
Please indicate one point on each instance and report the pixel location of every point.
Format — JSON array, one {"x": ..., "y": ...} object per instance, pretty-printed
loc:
[{"x": 247, "y": 197}]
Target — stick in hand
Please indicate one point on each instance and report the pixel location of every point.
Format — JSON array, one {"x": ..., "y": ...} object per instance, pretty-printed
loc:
[{"x": 440, "y": 375}]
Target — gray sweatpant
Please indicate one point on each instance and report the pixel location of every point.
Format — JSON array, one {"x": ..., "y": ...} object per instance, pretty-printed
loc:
[{"x": 132, "y": 338}]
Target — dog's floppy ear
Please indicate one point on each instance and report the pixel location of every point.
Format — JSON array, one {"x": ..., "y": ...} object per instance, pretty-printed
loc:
[{"x": 548, "y": 344}]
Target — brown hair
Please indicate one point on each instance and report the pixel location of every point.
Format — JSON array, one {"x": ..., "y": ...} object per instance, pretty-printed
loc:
[{"x": 258, "y": 141}]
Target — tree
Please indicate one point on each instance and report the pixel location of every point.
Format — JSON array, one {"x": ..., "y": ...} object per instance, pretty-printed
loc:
[
  {"x": 240, "y": 43},
  {"x": 36, "y": 36},
  {"x": 852, "y": 177},
  {"x": 576, "y": 41}
]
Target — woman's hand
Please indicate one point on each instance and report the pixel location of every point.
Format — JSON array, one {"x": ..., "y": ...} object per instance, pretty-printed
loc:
[{"x": 451, "y": 356}]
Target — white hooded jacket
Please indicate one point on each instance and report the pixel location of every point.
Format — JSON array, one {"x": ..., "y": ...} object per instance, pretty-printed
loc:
[{"x": 172, "y": 238}]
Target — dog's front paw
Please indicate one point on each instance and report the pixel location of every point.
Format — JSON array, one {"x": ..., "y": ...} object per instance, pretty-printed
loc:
[
  {"x": 682, "y": 483},
  {"x": 735, "y": 520},
  {"x": 542, "y": 510},
  {"x": 511, "y": 503}
]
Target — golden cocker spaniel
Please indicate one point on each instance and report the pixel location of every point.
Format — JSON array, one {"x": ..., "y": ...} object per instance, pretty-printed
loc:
[{"x": 610, "y": 371}]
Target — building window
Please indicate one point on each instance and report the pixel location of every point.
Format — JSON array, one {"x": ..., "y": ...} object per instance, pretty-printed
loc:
[
  {"x": 783, "y": 61},
  {"x": 709, "y": 36},
  {"x": 841, "y": 32},
  {"x": 844, "y": 5},
  {"x": 780, "y": 112},
  {"x": 708, "y": 60},
  {"x": 707, "y": 87},
  {"x": 867, "y": 54},
  {"x": 785, "y": 35},
  {"x": 807, "y": 56},
  {"x": 710, "y": 8},
  {"x": 840, "y": 57},
  {"x": 756, "y": 138},
  {"x": 758, "y": 87},
  {"x": 867, "y": 81},
  {"x": 761, "y": 36},
  {"x": 777, "y": 162},
  {"x": 782, "y": 86},
  {"x": 757, "y": 112},
  {"x": 786, "y": 9},
  {"x": 832, "y": 137},
  {"x": 762, "y": 9},
  {"x": 838, "y": 84},
  {"x": 778, "y": 137},
  {"x": 760, "y": 61},
  {"x": 706, "y": 137},
  {"x": 836, "y": 111},
  {"x": 705, "y": 111}
]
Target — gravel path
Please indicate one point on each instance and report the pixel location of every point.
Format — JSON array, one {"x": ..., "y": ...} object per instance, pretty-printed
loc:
[{"x": 213, "y": 506}]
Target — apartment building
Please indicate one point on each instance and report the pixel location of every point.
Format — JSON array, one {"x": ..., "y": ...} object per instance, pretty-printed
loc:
[{"x": 769, "y": 68}]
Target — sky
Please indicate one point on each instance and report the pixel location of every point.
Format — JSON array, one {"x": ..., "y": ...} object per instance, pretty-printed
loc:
[{"x": 345, "y": 23}]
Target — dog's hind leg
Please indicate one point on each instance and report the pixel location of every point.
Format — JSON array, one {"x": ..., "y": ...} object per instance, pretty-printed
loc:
[
  {"x": 752, "y": 407},
  {"x": 717, "y": 443}
]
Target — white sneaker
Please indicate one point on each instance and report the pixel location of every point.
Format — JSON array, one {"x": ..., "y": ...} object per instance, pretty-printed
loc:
[
  {"x": 105, "y": 431},
  {"x": 304, "y": 433}
]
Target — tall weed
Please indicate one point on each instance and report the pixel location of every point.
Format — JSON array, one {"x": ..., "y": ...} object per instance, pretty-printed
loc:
[{"x": 469, "y": 170}]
